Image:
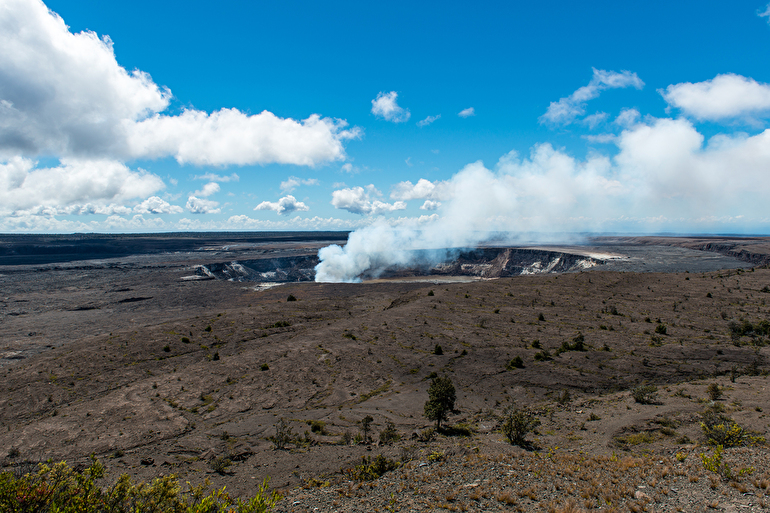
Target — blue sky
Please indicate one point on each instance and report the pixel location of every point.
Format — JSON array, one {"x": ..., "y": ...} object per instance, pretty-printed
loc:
[{"x": 160, "y": 116}]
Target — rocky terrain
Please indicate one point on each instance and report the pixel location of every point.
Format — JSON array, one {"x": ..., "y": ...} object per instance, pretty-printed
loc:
[{"x": 157, "y": 373}]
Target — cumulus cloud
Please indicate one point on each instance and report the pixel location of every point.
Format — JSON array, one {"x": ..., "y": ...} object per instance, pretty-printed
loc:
[
  {"x": 293, "y": 182},
  {"x": 74, "y": 182},
  {"x": 358, "y": 201},
  {"x": 213, "y": 177},
  {"x": 466, "y": 113},
  {"x": 430, "y": 205},
  {"x": 207, "y": 190},
  {"x": 723, "y": 97},
  {"x": 385, "y": 106},
  {"x": 423, "y": 189},
  {"x": 427, "y": 121},
  {"x": 566, "y": 110},
  {"x": 156, "y": 205},
  {"x": 228, "y": 136},
  {"x": 65, "y": 94},
  {"x": 197, "y": 205},
  {"x": 283, "y": 206}
]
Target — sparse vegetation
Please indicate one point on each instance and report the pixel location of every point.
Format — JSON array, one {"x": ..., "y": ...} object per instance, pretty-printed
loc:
[
  {"x": 389, "y": 434},
  {"x": 577, "y": 344},
  {"x": 721, "y": 430},
  {"x": 645, "y": 394},
  {"x": 62, "y": 489},
  {"x": 517, "y": 362},
  {"x": 291, "y": 298},
  {"x": 372, "y": 468},
  {"x": 714, "y": 391},
  {"x": 517, "y": 424},
  {"x": 283, "y": 435}
]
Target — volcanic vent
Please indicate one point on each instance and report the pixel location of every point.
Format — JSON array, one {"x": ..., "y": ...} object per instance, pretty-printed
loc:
[{"x": 479, "y": 263}]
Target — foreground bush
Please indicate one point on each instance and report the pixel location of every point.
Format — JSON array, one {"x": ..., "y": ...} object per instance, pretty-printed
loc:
[
  {"x": 372, "y": 468},
  {"x": 58, "y": 488},
  {"x": 721, "y": 430}
]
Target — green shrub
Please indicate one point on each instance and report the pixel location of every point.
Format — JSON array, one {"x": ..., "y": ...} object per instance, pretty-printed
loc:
[
  {"x": 542, "y": 356},
  {"x": 61, "y": 489},
  {"x": 517, "y": 424},
  {"x": 389, "y": 434},
  {"x": 430, "y": 293},
  {"x": 577, "y": 344},
  {"x": 714, "y": 391},
  {"x": 437, "y": 350},
  {"x": 221, "y": 465},
  {"x": 317, "y": 426},
  {"x": 372, "y": 468},
  {"x": 264, "y": 367},
  {"x": 719, "y": 429},
  {"x": 207, "y": 328},
  {"x": 283, "y": 435},
  {"x": 185, "y": 340},
  {"x": 645, "y": 394},
  {"x": 661, "y": 329},
  {"x": 291, "y": 298},
  {"x": 516, "y": 363}
]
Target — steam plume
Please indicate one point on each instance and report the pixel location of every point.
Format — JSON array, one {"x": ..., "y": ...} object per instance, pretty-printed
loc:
[{"x": 663, "y": 178}]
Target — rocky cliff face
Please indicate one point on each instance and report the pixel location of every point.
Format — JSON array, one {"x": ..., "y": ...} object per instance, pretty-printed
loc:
[{"x": 482, "y": 263}]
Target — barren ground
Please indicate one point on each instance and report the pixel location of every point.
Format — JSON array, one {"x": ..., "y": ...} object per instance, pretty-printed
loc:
[{"x": 157, "y": 375}]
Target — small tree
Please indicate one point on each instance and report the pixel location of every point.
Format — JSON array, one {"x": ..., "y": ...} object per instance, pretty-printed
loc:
[
  {"x": 441, "y": 400},
  {"x": 366, "y": 422}
]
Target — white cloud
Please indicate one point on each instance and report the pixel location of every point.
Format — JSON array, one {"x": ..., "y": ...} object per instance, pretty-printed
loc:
[
  {"x": 74, "y": 182},
  {"x": 627, "y": 117},
  {"x": 723, "y": 97},
  {"x": 423, "y": 189},
  {"x": 566, "y": 110},
  {"x": 201, "y": 206},
  {"x": 765, "y": 13},
  {"x": 595, "y": 120},
  {"x": 229, "y": 136},
  {"x": 385, "y": 106},
  {"x": 283, "y": 206},
  {"x": 358, "y": 201},
  {"x": 155, "y": 205},
  {"x": 243, "y": 222},
  {"x": 213, "y": 177},
  {"x": 65, "y": 95},
  {"x": 207, "y": 190},
  {"x": 430, "y": 205},
  {"x": 427, "y": 121},
  {"x": 293, "y": 182},
  {"x": 600, "y": 138},
  {"x": 466, "y": 113}
]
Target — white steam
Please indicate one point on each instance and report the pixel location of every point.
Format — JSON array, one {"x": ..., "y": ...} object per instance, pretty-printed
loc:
[{"x": 663, "y": 178}]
